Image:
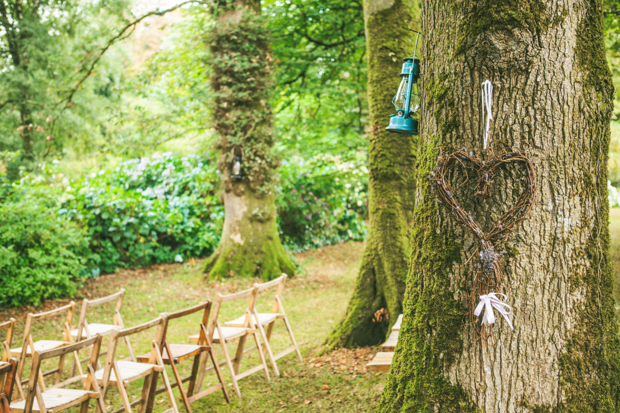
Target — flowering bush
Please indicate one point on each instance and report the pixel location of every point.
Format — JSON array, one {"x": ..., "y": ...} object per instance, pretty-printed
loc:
[
  {"x": 165, "y": 208},
  {"x": 145, "y": 211},
  {"x": 322, "y": 201}
]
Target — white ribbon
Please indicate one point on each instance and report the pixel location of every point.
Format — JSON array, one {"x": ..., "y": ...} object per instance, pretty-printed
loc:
[
  {"x": 489, "y": 302},
  {"x": 487, "y": 102}
]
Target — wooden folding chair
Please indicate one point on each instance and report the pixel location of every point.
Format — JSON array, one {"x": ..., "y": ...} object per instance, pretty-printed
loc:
[
  {"x": 55, "y": 398},
  {"x": 174, "y": 354},
  {"x": 29, "y": 346},
  {"x": 268, "y": 320},
  {"x": 119, "y": 373},
  {"x": 8, "y": 370},
  {"x": 9, "y": 326},
  {"x": 224, "y": 335},
  {"x": 87, "y": 330}
]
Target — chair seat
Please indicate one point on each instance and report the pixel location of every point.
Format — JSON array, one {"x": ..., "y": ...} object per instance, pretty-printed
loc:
[
  {"x": 229, "y": 334},
  {"x": 264, "y": 318},
  {"x": 95, "y": 329},
  {"x": 180, "y": 352},
  {"x": 129, "y": 370},
  {"x": 55, "y": 398},
  {"x": 39, "y": 346}
]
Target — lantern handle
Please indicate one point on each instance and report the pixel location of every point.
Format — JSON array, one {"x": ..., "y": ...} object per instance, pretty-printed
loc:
[{"x": 415, "y": 49}]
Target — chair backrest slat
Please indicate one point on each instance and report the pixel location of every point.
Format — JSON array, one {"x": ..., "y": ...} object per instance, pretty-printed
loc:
[
  {"x": 236, "y": 296},
  {"x": 67, "y": 308},
  {"x": 142, "y": 327},
  {"x": 273, "y": 283},
  {"x": 188, "y": 311},
  {"x": 106, "y": 299},
  {"x": 44, "y": 355}
]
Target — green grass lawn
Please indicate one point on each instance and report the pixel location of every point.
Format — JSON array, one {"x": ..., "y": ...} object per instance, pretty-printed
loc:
[{"x": 314, "y": 300}]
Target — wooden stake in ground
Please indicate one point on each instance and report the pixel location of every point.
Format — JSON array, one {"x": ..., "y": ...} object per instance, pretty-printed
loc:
[
  {"x": 553, "y": 95},
  {"x": 240, "y": 58},
  {"x": 381, "y": 280}
]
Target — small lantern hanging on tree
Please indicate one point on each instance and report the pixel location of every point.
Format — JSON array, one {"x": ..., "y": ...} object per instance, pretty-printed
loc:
[
  {"x": 235, "y": 167},
  {"x": 407, "y": 100}
]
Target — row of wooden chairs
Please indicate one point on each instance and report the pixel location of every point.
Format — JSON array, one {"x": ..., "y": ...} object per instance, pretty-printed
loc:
[{"x": 119, "y": 373}]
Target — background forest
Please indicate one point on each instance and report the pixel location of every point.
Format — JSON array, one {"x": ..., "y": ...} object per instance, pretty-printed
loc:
[{"x": 107, "y": 154}]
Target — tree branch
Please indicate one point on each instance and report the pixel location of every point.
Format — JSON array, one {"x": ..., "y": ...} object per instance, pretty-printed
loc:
[{"x": 121, "y": 35}]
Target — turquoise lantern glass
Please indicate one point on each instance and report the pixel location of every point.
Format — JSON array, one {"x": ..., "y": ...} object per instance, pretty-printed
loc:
[{"x": 407, "y": 100}]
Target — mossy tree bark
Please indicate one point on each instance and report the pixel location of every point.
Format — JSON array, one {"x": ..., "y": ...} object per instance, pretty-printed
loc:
[
  {"x": 381, "y": 280},
  {"x": 553, "y": 94},
  {"x": 240, "y": 59}
]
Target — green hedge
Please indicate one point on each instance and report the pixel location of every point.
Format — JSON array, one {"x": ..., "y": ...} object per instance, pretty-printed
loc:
[
  {"x": 165, "y": 208},
  {"x": 42, "y": 255}
]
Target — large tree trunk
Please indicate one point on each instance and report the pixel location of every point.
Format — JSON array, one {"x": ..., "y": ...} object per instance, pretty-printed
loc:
[
  {"x": 553, "y": 94},
  {"x": 239, "y": 45},
  {"x": 381, "y": 280}
]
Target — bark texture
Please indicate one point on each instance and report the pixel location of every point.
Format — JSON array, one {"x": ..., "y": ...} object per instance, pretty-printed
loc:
[
  {"x": 381, "y": 280},
  {"x": 553, "y": 94},
  {"x": 240, "y": 58}
]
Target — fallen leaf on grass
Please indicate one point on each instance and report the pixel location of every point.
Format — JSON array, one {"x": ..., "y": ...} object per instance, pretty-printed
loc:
[
  {"x": 325, "y": 387},
  {"x": 307, "y": 401}
]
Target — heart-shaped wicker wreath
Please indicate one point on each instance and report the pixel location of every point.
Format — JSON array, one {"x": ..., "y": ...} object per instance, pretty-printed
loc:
[{"x": 487, "y": 273}]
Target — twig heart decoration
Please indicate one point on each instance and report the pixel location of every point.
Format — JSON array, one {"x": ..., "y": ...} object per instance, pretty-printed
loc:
[
  {"x": 488, "y": 274},
  {"x": 486, "y": 172}
]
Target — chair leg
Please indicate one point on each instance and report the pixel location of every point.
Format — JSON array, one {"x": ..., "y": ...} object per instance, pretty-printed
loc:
[
  {"x": 262, "y": 357},
  {"x": 149, "y": 391},
  {"x": 218, "y": 372},
  {"x": 197, "y": 374},
  {"x": 124, "y": 396},
  {"x": 230, "y": 367},
  {"x": 179, "y": 381},
  {"x": 160, "y": 362},
  {"x": 239, "y": 354},
  {"x": 290, "y": 333},
  {"x": 268, "y": 348},
  {"x": 84, "y": 407}
]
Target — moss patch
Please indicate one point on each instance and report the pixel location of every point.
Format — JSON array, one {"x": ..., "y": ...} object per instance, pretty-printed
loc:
[{"x": 432, "y": 323}]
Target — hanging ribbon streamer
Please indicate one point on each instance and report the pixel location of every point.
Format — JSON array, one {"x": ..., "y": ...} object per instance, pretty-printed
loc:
[
  {"x": 487, "y": 102},
  {"x": 489, "y": 302}
]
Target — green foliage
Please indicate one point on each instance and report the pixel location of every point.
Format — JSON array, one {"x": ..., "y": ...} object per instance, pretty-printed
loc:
[
  {"x": 166, "y": 207},
  {"x": 149, "y": 211},
  {"x": 320, "y": 52},
  {"x": 46, "y": 47},
  {"x": 42, "y": 255},
  {"x": 322, "y": 201}
]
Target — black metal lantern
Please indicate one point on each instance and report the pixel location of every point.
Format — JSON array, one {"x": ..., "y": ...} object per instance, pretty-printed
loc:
[
  {"x": 407, "y": 99},
  {"x": 235, "y": 167}
]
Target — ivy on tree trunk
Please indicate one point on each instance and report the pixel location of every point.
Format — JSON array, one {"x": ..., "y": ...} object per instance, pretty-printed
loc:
[
  {"x": 381, "y": 280},
  {"x": 239, "y": 44},
  {"x": 552, "y": 94}
]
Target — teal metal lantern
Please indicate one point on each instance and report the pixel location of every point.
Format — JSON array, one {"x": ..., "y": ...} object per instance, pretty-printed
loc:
[{"x": 407, "y": 99}]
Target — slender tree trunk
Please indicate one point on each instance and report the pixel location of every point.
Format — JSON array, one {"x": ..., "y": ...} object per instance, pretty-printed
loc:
[
  {"x": 239, "y": 44},
  {"x": 381, "y": 280},
  {"x": 553, "y": 94}
]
